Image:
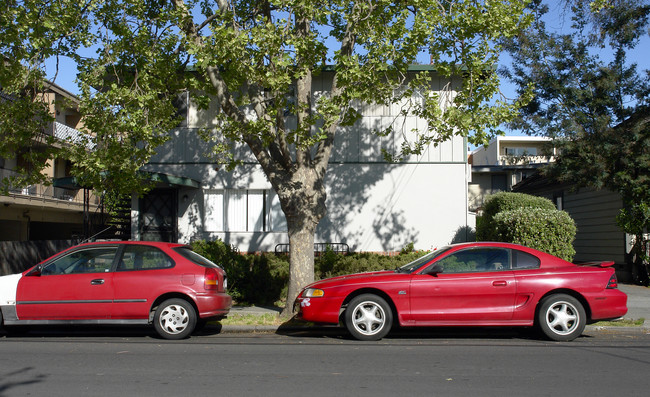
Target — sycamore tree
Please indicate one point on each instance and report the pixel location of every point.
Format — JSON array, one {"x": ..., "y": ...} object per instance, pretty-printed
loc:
[
  {"x": 592, "y": 99},
  {"x": 257, "y": 59}
]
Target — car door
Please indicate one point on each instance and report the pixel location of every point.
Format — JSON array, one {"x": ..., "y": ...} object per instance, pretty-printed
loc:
[
  {"x": 143, "y": 273},
  {"x": 75, "y": 286},
  {"x": 476, "y": 286}
]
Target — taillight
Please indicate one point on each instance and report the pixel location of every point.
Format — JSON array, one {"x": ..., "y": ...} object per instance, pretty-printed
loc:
[
  {"x": 613, "y": 282},
  {"x": 211, "y": 280}
]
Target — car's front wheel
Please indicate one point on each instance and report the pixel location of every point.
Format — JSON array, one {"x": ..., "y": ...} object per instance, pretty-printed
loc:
[
  {"x": 561, "y": 317},
  {"x": 368, "y": 317},
  {"x": 175, "y": 319}
]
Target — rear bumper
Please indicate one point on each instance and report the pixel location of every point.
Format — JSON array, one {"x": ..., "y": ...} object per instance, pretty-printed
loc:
[
  {"x": 213, "y": 305},
  {"x": 607, "y": 305}
]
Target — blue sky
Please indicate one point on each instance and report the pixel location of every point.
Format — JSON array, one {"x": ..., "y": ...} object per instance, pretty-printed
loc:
[{"x": 66, "y": 73}]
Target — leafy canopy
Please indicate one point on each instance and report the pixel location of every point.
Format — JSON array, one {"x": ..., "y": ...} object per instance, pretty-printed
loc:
[
  {"x": 256, "y": 58},
  {"x": 591, "y": 98}
]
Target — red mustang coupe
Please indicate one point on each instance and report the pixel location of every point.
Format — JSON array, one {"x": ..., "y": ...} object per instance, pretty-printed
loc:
[
  {"x": 471, "y": 284},
  {"x": 166, "y": 284}
]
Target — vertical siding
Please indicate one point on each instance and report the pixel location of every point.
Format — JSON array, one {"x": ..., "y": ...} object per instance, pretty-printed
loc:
[{"x": 598, "y": 236}]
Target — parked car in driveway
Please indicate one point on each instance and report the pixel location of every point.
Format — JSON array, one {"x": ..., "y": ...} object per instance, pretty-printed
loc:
[
  {"x": 470, "y": 284},
  {"x": 167, "y": 285}
]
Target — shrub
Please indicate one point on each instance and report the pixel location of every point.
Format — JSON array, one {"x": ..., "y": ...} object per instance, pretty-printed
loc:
[
  {"x": 337, "y": 264},
  {"x": 253, "y": 279},
  {"x": 262, "y": 279},
  {"x": 547, "y": 230},
  {"x": 505, "y": 201}
]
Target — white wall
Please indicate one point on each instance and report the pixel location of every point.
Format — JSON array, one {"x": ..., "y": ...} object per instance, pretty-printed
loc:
[{"x": 372, "y": 205}]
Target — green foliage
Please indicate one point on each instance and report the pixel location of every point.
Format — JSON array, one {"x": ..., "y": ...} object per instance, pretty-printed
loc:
[
  {"x": 253, "y": 279},
  {"x": 547, "y": 230},
  {"x": 592, "y": 98},
  {"x": 261, "y": 279},
  {"x": 134, "y": 57},
  {"x": 527, "y": 220},
  {"x": 505, "y": 201},
  {"x": 32, "y": 31},
  {"x": 332, "y": 264},
  {"x": 255, "y": 61},
  {"x": 410, "y": 247}
]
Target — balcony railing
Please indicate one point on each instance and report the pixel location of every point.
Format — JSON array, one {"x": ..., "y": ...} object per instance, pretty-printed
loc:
[
  {"x": 69, "y": 134},
  {"x": 522, "y": 160},
  {"x": 48, "y": 192}
]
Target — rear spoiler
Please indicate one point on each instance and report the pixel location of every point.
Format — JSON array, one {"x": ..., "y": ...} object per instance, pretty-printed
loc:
[{"x": 597, "y": 264}]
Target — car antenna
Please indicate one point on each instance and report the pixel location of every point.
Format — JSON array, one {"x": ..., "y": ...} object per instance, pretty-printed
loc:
[{"x": 91, "y": 238}]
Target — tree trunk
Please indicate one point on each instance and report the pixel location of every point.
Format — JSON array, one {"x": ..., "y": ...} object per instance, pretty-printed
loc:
[
  {"x": 301, "y": 260},
  {"x": 302, "y": 198}
]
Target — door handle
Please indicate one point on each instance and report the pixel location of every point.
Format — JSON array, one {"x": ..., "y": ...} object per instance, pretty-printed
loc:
[
  {"x": 97, "y": 281},
  {"x": 500, "y": 283}
]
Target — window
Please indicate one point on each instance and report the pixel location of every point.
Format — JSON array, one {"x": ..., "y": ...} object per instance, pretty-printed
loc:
[
  {"x": 558, "y": 198},
  {"x": 523, "y": 260},
  {"x": 93, "y": 260},
  {"x": 521, "y": 151},
  {"x": 499, "y": 183},
  {"x": 195, "y": 258},
  {"x": 143, "y": 257},
  {"x": 476, "y": 260},
  {"x": 242, "y": 210}
]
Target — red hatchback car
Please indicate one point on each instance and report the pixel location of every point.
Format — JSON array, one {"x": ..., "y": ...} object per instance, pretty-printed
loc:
[
  {"x": 471, "y": 284},
  {"x": 167, "y": 285}
]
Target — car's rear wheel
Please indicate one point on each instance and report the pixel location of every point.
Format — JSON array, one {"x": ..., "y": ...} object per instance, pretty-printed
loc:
[
  {"x": 174, "y": 319},
  {"x": 561, "y": 317},
  {"x": 368, "y": 317}
]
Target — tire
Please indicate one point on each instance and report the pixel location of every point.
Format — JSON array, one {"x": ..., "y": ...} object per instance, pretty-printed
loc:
[
  {"x": 175, "y": 319},
  {"x": 368, "y": 317},
  {"x": 200, "y": 324},
  {"x": 561, "y": 317}
]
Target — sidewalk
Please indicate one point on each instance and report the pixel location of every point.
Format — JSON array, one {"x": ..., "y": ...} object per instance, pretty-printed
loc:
[{"x": 638, "y": 304}]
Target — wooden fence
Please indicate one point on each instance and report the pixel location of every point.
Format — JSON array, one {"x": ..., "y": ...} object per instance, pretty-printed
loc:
[{"x": 17, "y": 256}]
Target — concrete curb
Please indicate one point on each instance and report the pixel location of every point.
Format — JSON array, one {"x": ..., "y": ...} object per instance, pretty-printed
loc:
[{"x": 271, "y": 329}]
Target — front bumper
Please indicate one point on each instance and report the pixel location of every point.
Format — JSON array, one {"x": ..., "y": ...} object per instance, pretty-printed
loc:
[{"x": 319, "y": 310}]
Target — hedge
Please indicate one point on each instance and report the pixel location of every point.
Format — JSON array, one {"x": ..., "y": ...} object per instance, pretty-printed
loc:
[
  {"x": 550, "y": 231},
  {"x": 252, "y": 279},
  {"x": 262, "y": 279},
  {"x": 527, "y": 220},
  {"x": 506, "y": 201}
]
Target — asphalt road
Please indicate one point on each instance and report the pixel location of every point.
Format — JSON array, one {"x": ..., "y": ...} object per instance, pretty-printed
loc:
[{"x": 443, "y": 362}]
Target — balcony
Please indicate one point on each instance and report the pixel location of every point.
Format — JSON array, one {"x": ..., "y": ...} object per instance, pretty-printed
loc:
[
  {"x": 524, "y": 160},
  {"x": 48, "y": 196}
]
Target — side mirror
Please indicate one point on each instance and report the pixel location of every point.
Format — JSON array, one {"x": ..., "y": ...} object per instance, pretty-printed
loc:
[
  {"x": 435, "y": 269},
  {"x": 37, "y": 271}
]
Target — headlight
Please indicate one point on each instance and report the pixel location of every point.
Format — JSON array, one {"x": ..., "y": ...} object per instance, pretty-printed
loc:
[{"x": 313, "y": 293}]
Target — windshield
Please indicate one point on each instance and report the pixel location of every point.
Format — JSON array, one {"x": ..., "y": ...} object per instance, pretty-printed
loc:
[{"x": 416, "y": 264}]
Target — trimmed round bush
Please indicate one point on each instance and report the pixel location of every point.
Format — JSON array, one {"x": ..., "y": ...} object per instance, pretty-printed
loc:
[
  {"x": 547, "y": 230},
  {"x": 505, "y": 201}
]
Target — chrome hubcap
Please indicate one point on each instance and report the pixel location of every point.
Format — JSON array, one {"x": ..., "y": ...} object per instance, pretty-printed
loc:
[
  {"x": 174, "y": 319},
  {"x": 368, "y": 318}
]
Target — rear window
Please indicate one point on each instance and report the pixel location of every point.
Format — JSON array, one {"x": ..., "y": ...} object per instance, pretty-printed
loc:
[
  {"x": 192, "y": 256},
  {"x": 143, "y": 257},
  {"x": 523, "y": 260}
]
